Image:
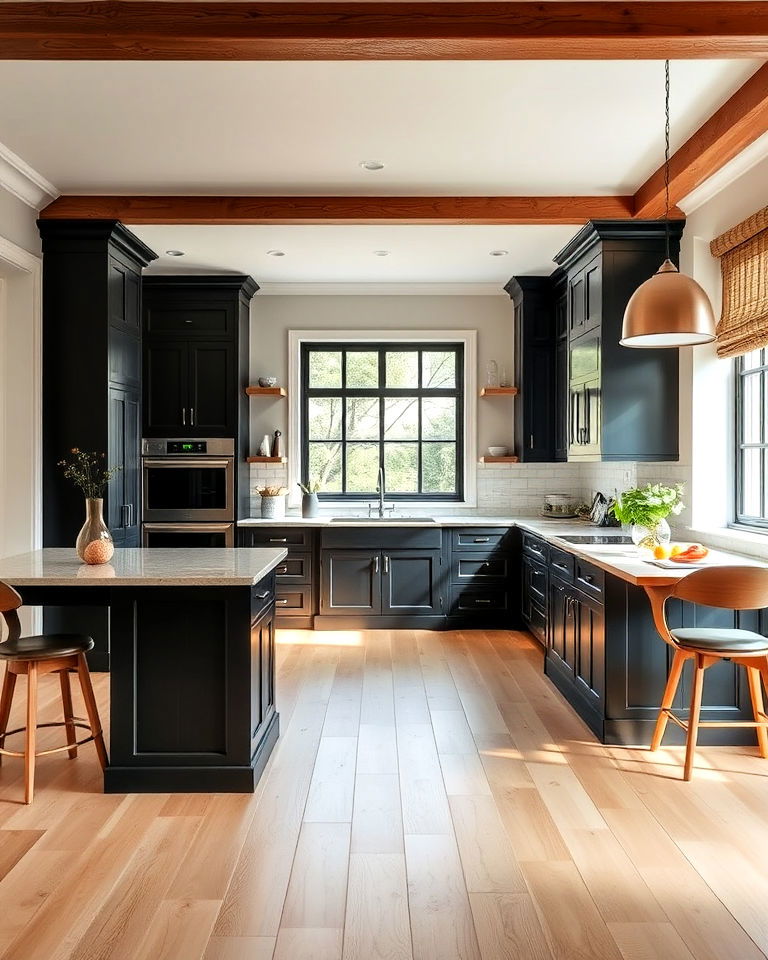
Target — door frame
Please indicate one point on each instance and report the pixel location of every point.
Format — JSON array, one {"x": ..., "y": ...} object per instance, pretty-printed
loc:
[{"x": 21, "y": 273}]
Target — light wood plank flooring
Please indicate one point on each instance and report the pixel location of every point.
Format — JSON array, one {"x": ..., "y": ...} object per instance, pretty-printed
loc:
[{"x": 431, "y": 797}]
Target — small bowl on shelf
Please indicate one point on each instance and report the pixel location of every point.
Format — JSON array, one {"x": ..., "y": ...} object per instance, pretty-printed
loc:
[
  {"x": 267, "y": 381},
  {"x": 497, "y": 451}
]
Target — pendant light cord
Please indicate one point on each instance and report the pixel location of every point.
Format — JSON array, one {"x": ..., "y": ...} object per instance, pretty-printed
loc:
[{"x": 666, "y": 157}]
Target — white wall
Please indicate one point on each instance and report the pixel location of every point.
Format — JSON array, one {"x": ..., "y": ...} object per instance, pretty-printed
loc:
[
  {"x": 706, "y": 383},
  {"x": 17, "y": 222}
]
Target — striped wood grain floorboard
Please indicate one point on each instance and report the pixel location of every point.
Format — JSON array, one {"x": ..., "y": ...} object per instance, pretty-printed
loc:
[{"x": 431, "y": 797}]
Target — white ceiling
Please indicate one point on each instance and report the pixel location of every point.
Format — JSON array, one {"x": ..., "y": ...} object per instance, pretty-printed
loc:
[
  {"x": 525, "y": 127},
  {"x": 343, "y": 254}
]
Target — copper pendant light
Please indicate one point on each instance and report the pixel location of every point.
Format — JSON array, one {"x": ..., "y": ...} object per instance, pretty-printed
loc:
[{"x": 670, "y": 309}]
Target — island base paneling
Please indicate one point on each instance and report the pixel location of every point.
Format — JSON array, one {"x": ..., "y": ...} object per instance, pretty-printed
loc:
[{"x": 191, "y": 683}]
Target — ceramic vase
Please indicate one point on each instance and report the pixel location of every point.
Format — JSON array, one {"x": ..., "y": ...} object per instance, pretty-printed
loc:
[
  {"x": 94, "y": 542},
  {"x": 272, "y": 507},
  {"x": 310, "y": 505},
  {"x": 646, "y": 539}
]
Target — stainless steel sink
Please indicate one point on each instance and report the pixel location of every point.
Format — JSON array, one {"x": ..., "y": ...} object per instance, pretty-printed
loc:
[
  {"x": 383, "y": 520},
  {"x": 597, "y": 538}
]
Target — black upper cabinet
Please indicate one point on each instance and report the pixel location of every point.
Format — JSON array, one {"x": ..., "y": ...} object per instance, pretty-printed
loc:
[
  {"x": 196, "y": 356},
  {"x": 534, "y": 368},
  {"x": 560, "y": 399},
  {"x": 91, "y": 368},
  {"x": 622, "y": 403}
]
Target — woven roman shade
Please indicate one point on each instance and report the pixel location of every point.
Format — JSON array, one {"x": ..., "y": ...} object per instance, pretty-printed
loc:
[{"x": 743, "y": 253}]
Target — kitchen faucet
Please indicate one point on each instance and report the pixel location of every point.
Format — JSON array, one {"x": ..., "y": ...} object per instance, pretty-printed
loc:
[{"x": 381, "y": 492}]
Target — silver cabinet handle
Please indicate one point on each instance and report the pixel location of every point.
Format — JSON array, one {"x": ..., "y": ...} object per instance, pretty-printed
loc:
[
  {"x": 530, "y": 442},
  {"x": 386, "y": 564},
  {"x": 376, "y": 564},
  {"x": 184, "y": 416},
  {"x": 192, "y": 415},
  {"x": 282, "y": 600},
  {"x": 278, "y": 539},
  {"x": 482, "y": 539},
  {"x": 263, "y": 596},
  {"x": 482, "y": 601},
  {"x": 282, "y": 569}
]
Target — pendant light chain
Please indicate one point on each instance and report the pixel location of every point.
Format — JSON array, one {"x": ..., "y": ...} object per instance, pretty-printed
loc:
[{"x": 666, "y": 156}]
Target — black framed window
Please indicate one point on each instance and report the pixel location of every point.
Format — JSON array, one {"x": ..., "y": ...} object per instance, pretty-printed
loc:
[
  {"x": 399, "y": 406},
  {"x": 752, "y": 439}
]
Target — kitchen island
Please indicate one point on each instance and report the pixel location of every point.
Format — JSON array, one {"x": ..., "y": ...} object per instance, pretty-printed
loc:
[{"x": 192, "y": 705}]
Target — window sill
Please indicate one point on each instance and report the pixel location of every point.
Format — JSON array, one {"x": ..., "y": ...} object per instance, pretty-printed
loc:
[{"x": 732, "y": 538}]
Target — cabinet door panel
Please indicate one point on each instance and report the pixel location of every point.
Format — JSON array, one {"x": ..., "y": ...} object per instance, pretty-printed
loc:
[
  {"x": 593, "y": 295},
  {"x": 411, "y": 582},
  {"x": 589, "y": 624},
  {"x": 212, "y": 389},
  {"x": 350, "y": 582},
  {"x": 122, "y": 507},
  {"x": 165, "y": 389},
  {"x": 558, "y": 604},
  {"x": 576, "y": 303}
]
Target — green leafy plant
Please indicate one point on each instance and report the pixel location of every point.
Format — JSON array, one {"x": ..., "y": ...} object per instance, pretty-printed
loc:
[
  {"x": 88, "y": 471},
  {"x": 311, "y": 486},
  {"x": 648, "y": 505}
]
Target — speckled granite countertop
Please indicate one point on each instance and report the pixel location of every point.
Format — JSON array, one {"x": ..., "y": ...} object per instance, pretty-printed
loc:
[{"x": 143, "y": 567}]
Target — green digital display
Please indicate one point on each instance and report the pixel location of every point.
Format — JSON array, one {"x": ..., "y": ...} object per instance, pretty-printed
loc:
[{"x": 187, "y": 446}]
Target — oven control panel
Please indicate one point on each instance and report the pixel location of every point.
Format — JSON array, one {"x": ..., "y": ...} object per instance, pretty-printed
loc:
[{"x": 181, "y": 447}]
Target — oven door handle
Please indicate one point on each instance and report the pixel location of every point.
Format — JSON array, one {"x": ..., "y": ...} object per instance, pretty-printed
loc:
[
  {"x": 191, "y": 462},
  {"x": 186, "y": 527}
]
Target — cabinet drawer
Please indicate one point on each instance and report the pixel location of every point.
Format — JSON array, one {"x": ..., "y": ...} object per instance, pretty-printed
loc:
[
  {"x": 535, "y": 546},
  {"x": 535, "y": 581},
  {"x": 296, "y": 568},
  {"x": 188, "y": 319},
  {"x": 280, "y": 537},
  {"x": 479, "y": 540},
  {"x": 474, "y": 568},
  {"x": 589, "y": 578},
  {"x": 487, "y": 600},
  {"x": 562, "y": 563},
  {"x": 390, "y": 537},
  {"x": 294, "y": 601}
]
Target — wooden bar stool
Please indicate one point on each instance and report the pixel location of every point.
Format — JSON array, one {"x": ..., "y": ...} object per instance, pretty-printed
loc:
[
  {"x": 732, "y": 588},
  {"x": 36, "y": 656}
]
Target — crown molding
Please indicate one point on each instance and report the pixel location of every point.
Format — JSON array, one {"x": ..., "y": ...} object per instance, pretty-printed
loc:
[
  {"x": 743, "y": 162},
  {"x": 382, "y": 289},
  {"x": 18, "y": 178}
]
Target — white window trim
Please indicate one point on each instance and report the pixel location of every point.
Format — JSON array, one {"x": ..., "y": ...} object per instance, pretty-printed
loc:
[{"x": 466, "y": 337}]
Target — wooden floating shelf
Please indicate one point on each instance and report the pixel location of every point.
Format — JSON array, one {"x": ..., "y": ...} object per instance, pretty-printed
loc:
[
  {"x": 266, "y": 459},
  {"x": 265, "y": 391},
  {"x": 499, "y": 460},
  {"x": 498, "y": 391}
]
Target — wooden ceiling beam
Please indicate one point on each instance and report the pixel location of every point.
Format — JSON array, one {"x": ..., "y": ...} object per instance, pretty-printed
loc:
[
  {"x": 737, "y": 124},
  {"x": 375, "y": 30},
  {"x": 340, "y": 210}
]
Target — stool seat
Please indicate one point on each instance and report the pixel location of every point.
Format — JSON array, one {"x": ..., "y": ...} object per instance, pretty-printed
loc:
[
  {"x": 45, "y": 646},
  {"x": 721, "y": 641}
]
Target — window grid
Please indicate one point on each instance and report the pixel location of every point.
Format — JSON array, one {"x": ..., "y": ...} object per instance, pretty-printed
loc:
[
  {"x": 752, "y": 439},
  {"x": 383, "y": 392}
]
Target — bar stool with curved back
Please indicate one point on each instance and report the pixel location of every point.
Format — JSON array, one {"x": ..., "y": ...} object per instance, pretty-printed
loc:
[
  {"x": 732, "y": 588},
  {"x": 36, "y": 656}
]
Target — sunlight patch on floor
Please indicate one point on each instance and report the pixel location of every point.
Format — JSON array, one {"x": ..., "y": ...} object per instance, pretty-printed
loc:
[{"x": 320, "y": 638}]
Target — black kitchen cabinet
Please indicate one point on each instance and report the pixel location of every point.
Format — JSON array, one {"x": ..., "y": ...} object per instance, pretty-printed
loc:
[
  {"x": 196, "y": 356},
  {"x": 296, "y": 580},
  {"x": 622, "y": 403},
  {"x": 534, "y": 369},
  {"x": 91, "y": 388},
  {"x": 350, "y": 583},
  {"x": 410, "y": 583},
  {"x": 560, "y": 399},
  {"x": 122, "y": 508},
  {"x": 484, "y": 577}
]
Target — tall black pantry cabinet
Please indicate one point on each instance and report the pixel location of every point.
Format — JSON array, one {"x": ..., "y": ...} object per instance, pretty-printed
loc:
[{"x": 91, "y": 384}]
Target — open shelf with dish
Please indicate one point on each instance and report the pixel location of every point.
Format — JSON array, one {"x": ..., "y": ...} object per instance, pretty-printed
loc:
[{"x": 266, "y": 391}]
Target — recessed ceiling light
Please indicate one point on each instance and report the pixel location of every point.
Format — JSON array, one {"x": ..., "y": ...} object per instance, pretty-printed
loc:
[
  {"x": 381, "y": 253},
  {"x": 275, "y": 253},
  {"x": 499, "y": 253},
  {"x": 175, "y": 253},
  {"x": 371, "y": 164}
]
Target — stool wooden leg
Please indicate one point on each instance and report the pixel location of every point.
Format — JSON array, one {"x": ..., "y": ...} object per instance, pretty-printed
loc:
[
  {"x": 6, "y": 701},
  {"x": 758, "y": 708},
  {"x": 670, "y": 690},
  {"x": 66, "y": 699},
  {"x": 91, "y": 709},
  {"x": 693, "y": 717},
  {"x": 31, "y": 740}
]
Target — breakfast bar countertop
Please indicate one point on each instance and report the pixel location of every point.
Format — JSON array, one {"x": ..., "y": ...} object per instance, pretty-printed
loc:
[{"x": 143, "y": 567}]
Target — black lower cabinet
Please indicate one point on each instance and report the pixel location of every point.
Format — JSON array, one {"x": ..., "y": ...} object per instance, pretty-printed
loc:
[
  {"x": 351, "y": 583},
  {"x": 606, "y": 657}
]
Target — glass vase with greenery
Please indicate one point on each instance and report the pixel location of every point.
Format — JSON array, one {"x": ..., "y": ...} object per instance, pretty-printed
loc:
[
  {"x": 645, "y": 510},
  {"x": 89, "y": 472}
]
